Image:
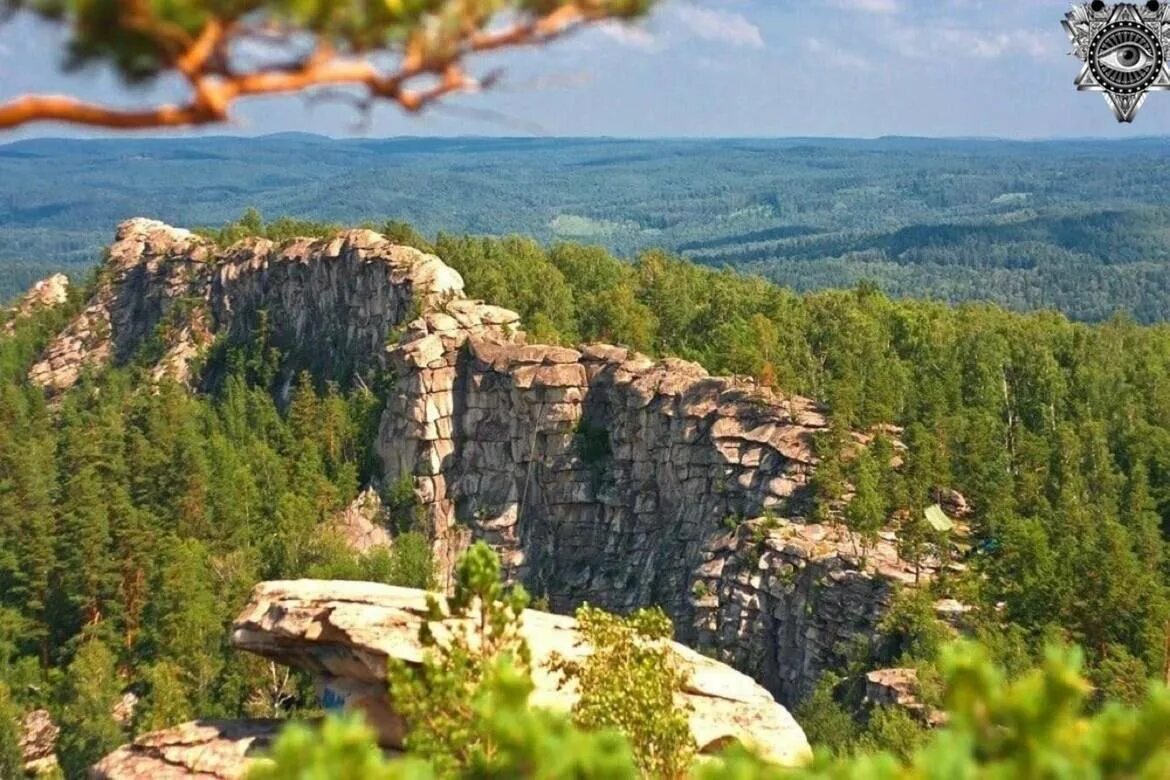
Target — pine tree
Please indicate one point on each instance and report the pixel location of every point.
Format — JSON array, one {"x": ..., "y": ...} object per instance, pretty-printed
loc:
[
  {"x": 90, "y": 689},
  {"x": 866, "y": 513},
  {"x": 166, "y": 702}
]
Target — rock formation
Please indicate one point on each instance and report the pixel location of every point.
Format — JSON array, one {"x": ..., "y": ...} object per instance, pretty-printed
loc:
[
  {"x": 900, "y": 688},
  {"x": 38, "y": 742},
  {"x": 598, "y": 473},
  {"x": 199, "y": 750},
  {"x": 45, "y": 294},
  {"x": 360, "y": 525},
  {"x": 601, "y": 475},
  {"x": 327, "y": 304},
  {"x": 344, "y": 632}
]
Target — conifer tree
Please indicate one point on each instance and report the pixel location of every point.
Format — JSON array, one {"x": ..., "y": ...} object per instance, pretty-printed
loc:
[{"x": 90, "y": 688}]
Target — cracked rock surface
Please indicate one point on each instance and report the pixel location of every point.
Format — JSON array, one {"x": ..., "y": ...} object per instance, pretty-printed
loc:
[{"x": 199, "y": 750}]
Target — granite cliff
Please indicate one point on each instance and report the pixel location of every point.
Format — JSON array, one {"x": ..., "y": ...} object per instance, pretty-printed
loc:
[{"x": 599, "y": 474}]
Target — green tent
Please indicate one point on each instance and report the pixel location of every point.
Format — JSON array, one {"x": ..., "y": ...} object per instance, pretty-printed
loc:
[{"x": 938, "y": 519}]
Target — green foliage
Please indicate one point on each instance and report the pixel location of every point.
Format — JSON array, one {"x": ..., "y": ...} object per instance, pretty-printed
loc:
[
  {"x": 526, "y": 742},
  {"x": 90, "y": 689},
  {"x": 437, "y": 699},
  {"x": 866, "y": 512},
  {"x": 11, "y": 757},
  {"x": 893, "y": 730},
  {"x": 628, "y": 683},
  {"x": 910, "y": 629},
  {"x": 1036, "y": 726},
  {"x": 134, "y": 520},
  {"x": 403, "y": 507},
  {"x": 532, "y": 743},
  {"x": 342, "y": 749},
  {"x": 827, "y": 723},
  {"x": 251, "y": 223},
  {"x": 166, "y": 702}
]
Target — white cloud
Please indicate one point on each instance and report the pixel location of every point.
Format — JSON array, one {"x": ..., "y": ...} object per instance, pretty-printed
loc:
[
  {"x": 829, "y": 54},
  {"x": 720, "y": 26},
  {"x": 962, "y": 42},
  {"x": 868, "y": 6},
  {"x": 629, "y": 35}
]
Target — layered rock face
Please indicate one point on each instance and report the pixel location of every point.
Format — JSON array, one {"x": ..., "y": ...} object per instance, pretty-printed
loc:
[
  {"x": 785, "y": 599},
  {"x": 328, "y": 305},
  {"x": 599, "y": 474}
]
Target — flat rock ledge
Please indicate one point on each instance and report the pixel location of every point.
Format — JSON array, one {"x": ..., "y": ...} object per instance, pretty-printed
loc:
[
  {"x": 199, "y": 750},
  {"x": 344, "y": 632}
]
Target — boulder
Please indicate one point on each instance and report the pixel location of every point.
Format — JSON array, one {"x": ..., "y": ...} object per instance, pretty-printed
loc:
[
  {"x": 900, "y": 688},
  {"x": 344, "y": 632},
  {"x": 38, "y": 742},
  {"x": 199, "y": 750}
]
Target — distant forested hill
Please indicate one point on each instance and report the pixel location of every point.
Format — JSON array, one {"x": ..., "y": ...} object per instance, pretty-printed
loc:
[{"x": 1083, "y": 226}]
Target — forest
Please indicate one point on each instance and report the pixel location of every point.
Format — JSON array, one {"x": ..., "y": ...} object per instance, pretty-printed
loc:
[
  {"x": 1075, "y": 226},
  {"x": 134, "y": 521}
]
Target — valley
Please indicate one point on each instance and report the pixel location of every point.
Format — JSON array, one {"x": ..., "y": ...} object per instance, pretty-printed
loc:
[{"x": 1077, "y": 226}]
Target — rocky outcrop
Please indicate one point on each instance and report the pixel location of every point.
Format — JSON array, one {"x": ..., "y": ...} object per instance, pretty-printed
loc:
[
  {"x": 200, "y": 750},
  {"x": 602, "y": 475},
  {"x": 149, "y": 268},
  {"x": 38, "y": 742},
  {"x": 598, "y": 473},
  {"x": 361, "y": 524},
  {"x": 900, "y": 688},
  {"x": 784, "y": 600},
  {"x": 327, "y": 304},
  {"x": 45, "y": 294},
  {"x": 344, "y": 632}
]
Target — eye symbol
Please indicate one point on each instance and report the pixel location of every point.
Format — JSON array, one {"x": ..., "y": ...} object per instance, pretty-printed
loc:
[{"x": 1126, "y": 58}]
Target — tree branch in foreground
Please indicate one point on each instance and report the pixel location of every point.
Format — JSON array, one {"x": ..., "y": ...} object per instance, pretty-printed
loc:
[{"x": 204, "y": 60}]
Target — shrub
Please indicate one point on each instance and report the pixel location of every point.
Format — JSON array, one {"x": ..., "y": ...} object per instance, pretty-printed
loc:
[
  {"x": 437, "y": 699},
  {"x": 628, "y": 682}
]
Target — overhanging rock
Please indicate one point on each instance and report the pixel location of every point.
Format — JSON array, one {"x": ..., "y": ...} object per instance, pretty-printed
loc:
[{"x": 344, "y": 633}]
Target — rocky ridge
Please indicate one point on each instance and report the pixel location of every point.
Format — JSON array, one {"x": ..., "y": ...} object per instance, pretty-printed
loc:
[
  {"x": 45, "y": 294},
  {"x": 598, "y": 473}
]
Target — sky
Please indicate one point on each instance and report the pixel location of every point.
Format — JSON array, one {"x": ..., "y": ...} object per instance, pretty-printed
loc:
[{"x": 710, "y": 68}]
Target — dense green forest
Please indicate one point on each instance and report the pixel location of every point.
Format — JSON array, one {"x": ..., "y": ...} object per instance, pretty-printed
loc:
[
  {"x": 133, "y": 521},
  {"x": 1078, "y": 226}
]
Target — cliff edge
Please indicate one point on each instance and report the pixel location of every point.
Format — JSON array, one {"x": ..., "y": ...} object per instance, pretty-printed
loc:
[{"x": 598, "y": 473}]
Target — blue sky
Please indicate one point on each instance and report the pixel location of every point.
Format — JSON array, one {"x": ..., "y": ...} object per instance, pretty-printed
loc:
[{"x": 718, "y": 68}]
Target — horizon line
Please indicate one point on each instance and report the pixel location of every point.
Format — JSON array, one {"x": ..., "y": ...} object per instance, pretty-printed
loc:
[{"x": 607, "y": 137}]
